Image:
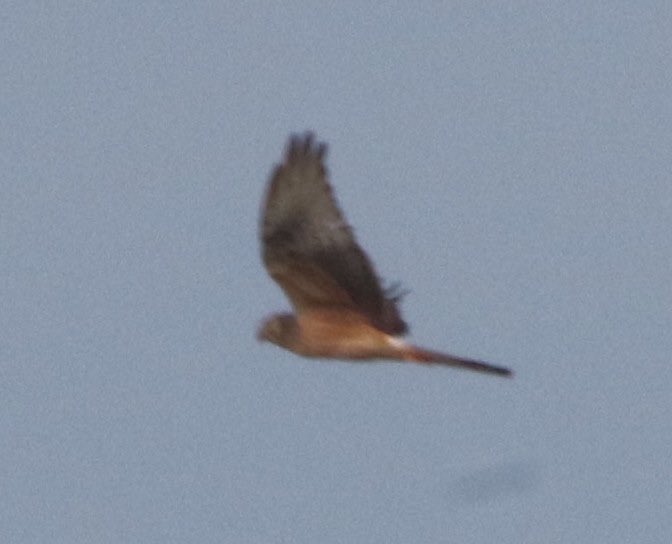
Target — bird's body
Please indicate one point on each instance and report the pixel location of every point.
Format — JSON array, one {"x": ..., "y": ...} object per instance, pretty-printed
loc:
[
  {"x": 336, "y": 333},
  {"x": 341, "y": 309}
]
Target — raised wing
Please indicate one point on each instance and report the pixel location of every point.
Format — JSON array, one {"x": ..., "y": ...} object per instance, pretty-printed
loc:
[{"x": 308, "y": 247}]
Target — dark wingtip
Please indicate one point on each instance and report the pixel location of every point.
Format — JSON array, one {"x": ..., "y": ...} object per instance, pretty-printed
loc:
[
  {"x": 395, "y": 292},
  {"x": 304, "y": 144}
]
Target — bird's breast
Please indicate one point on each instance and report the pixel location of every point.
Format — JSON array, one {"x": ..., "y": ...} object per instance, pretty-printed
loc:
[{"x": 341, "y": 333}]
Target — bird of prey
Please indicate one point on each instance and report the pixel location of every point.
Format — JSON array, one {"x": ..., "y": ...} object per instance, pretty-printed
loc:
[{"x": 341, "y": 310}]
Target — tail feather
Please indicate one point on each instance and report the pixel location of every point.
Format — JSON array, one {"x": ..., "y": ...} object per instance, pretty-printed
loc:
[{"x": 420, "y": 355}]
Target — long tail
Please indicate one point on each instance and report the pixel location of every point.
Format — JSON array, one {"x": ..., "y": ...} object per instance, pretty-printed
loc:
[{"x": 420, "y": 355}]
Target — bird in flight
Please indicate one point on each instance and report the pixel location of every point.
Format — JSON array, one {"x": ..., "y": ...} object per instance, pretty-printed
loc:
[{"x": 341, "y": 309}]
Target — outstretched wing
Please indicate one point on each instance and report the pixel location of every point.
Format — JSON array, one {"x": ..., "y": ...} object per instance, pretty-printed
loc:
[{"x": 308, "y": 247}]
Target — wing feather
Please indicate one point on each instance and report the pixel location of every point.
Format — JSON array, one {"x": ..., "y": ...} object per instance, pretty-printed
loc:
[{"x": 309, "y": 248}]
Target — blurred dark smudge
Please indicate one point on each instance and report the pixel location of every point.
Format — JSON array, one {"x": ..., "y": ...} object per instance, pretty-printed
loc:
[{"x": 495, "y": 482}]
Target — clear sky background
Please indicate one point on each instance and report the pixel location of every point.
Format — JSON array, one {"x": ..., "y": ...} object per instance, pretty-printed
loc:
[{"x": 509, "y": 163}]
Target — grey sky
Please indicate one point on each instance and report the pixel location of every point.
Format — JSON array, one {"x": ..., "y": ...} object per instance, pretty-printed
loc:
[{"x": 509, "y": 163}]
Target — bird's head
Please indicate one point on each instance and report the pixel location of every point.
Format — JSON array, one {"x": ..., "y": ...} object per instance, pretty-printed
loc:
[{"x": 278, "y": 329}]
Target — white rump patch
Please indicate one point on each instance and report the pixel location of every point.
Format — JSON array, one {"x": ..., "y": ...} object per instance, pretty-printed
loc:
[{"x": 396, "y": 342}]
